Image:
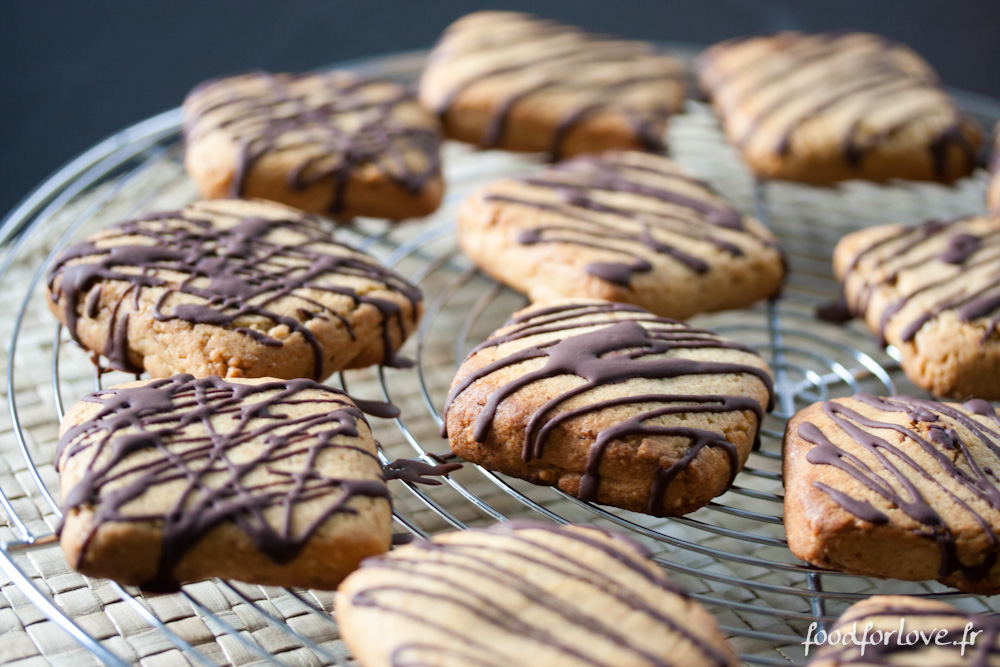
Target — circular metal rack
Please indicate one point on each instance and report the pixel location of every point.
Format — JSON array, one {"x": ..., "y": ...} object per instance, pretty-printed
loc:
[{"x": 731, "y": 555}]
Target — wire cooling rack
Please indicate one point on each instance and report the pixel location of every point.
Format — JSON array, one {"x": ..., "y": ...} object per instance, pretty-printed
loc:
[{"x": 731, "y": 555}]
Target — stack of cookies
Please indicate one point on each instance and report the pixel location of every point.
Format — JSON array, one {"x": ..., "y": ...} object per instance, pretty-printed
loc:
[{"x": 232, "y": 460}]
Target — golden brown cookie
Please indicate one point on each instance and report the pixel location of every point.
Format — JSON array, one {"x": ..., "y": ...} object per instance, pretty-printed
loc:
[
  {"x": 179, "y": 479},
  {"x": 231, "y": 288},
  {"x": 830, "y": 107},
  {"x": 326, "y": 142},
  {"x": 909, "y": 632},
  {"x": 524, "y": 593},
  {"x": 628, "y": 226},
  {"x": 515, "y": 81},
  {"x": 896, "y": 487},
  {"x": 611, "y": 404},
  {"x": 932, "y": 291}
]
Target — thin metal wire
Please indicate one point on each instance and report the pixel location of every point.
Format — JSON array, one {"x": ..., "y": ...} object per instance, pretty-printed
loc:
[{"x": 825, "y": 365}]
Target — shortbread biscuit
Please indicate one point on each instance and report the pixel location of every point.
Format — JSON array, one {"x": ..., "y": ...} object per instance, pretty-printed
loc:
[
  {"x": 515, "y": 81},
  {"x": 524, "y": 593},
  {"x": 178, "y": 479},
  {"x": 896, "y": 487},
  {"x": 326, "y": 142},
  {"x": 231, "y": 288},
  {"x": 932, "y": 291},
  {"x": 611, "y": 404},
  {"x": 830, "y": 107},
  {"x": 993, "y": 193},
  {"x": 629, "y": 227},
  {"x": 907, "y": 631}
]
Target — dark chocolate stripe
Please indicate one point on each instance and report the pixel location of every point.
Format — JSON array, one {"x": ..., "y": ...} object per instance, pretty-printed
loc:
[
  {"x": 853, "y": 72},
  {"x": 663, "y": 212},
  {"x": 160, "y": 415},
  {"x": 966, "y": 248},
  {"x": 889, "y": 652},
  {"x": 952, "y": 461},
  {"x": 246, "y": 274},
  {"x": 618, "y": 350},
  {"x": 554, "y": 54},
  {"x": 434, "y": 578},
  {"x": 275, "y": 118}
]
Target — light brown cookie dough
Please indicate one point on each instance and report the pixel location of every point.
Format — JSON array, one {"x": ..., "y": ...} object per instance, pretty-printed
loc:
[
  {"x": 894, "y": 624},
  {"x": 179, "y": 479},
  {"x": 629, "y": 227},
  {"x": 325, "y": 142},
  {"x": 896, "y": 487},
  {"x": 231, "y": 288},
  {"x": 524, "y": 593},
  {"x": 993, "y": 193},
  {"x": 515, "y": 81},
  {"x": 611, "y": 404},
  {"x": 933, "y": 292},
  {"x": 830, "y": 107}
]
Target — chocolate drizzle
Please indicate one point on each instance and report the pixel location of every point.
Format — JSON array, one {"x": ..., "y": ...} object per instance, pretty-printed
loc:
[
  {"x": 959, "y": 482},
  {"x": 219, "y": 462},
  {"x": 777, "y": 88},
  {"x": 920, "y": 619},
  {"x": 216, "y": 267},
  {"x": 418, "y": 472},
  {"x": 525, "y": 558},
  {"x": 630, "y": 343},
  {"x": 675, "y": 212},
  {"x": 337, "y": 122},
  {"x": 968, "y": 283},
  {"x": 539, "y": 59}
]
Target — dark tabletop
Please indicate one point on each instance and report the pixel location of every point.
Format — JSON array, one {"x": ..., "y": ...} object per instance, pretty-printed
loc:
[{"x": 74, "y": 72}]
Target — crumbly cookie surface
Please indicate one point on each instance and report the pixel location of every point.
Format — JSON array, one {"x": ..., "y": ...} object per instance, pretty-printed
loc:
[
  {"x": 267, "y": 481},
  {"x": 326, "y": 142},
  {"x": 611, "y": 404},
  {"x": 621, "y": 226},
  {"x": 524, "y": 593},
  {"x": 896, "y": 487},
  {"x": 231, "y": 288},
  {"x": 827, "y": 107},
  {"x": 515, "y": 81},
  {"x": 885, "y": 615},
  {"x": 932, "y": 291}
]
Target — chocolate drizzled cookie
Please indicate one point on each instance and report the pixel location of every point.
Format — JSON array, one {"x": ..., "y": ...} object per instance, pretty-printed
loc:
[
  {"x": 231, "y": 288},
  {"x": 896, "y": 487},
  {"x": 829, "y": 107},
  {"x": 622, "y": 226},
  {"x": 178, "y": 479},
  {"x": 932, "y": 291},
  {"x": 897, "y": 626},
  {"x": 326, "y": 142},
  {"x": 524, "y": 593},
  {"x": 515, "y": 81},
  {"x": 611, "y": 404}
]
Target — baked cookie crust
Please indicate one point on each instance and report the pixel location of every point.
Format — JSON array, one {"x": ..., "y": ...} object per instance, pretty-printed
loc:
[
  {"x": 231, "y": 288},
  {"x": 933, "y": 292},
  {"x": 828, "y": 107},
  {"x": 611, "y": 404},
  {"x": 896, "y": 487},
  {"x": 524, "y": 593},
  {"x": 518, "y": 82},
  {"x": 266, "y": 481},
  {"x": 621, "y": 226},
  {"x": 325, "y": 142}
]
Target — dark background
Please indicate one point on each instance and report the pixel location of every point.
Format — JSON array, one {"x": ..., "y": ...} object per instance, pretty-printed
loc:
[{"x": 74, "y": 72}]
